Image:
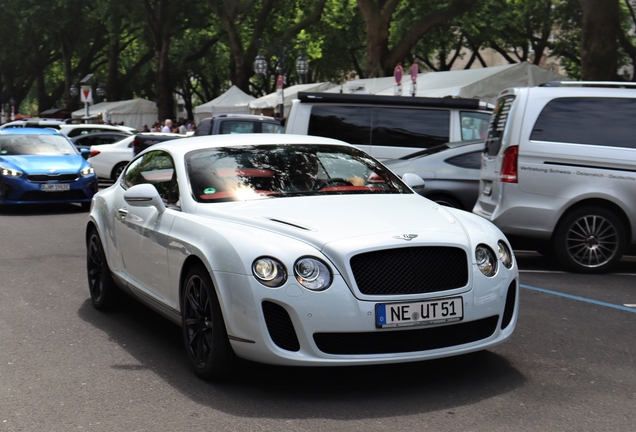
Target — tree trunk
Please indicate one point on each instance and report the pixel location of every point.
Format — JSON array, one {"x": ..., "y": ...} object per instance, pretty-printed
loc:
[{"x": 599, "y": 46}]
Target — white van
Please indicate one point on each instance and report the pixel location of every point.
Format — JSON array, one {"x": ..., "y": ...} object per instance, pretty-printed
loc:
[
  {"x": 388, "y": 127},
  {"x": 559, "y": 169}
]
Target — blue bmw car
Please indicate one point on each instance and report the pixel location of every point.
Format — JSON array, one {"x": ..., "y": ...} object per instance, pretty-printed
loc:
[{"x": 42, "y": 166}]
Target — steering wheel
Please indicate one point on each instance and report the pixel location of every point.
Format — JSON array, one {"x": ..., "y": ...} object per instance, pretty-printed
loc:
[{"x": 334, "y": 182}]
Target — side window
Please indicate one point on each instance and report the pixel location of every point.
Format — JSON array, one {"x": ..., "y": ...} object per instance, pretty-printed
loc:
[
  {"x": 497, "y": 125},
  {"x": 474, "y": 125},
  {"x": 272, "y": 128},
  {"x": 204, "y": 127},
  {"x": 347, "y": 123},
  {"x": 467, "y": 160},
  {"x": 584, "y": 120},
  {"x": 156, "y": 168},
  {"x": 237, "y": 127},
  {"x": 418, "y": 128}
]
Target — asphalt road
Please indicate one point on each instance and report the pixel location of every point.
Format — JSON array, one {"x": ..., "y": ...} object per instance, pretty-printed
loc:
[{"x": 570, "y": 366}]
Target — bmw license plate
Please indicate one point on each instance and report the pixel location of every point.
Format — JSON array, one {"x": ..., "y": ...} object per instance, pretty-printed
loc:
[
  {"x": 56, "y": 187},
  {"x": 419, "y": 313}
]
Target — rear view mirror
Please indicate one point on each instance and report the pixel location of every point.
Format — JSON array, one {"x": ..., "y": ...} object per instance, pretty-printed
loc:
[{"x": 414, "y": 181}]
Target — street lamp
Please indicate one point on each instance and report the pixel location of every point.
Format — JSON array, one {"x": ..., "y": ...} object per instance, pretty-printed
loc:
[
  {"x": 260, "y": 68},
  {"x": 302, "y": 65}
]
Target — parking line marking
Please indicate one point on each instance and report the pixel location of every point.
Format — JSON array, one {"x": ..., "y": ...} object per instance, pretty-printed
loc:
[{"x": 583, "y": 299}]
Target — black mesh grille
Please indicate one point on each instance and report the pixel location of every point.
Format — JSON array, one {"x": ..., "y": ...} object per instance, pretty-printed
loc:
[
  {"x": 411, "y": 270},
  {"x": 421, "y": 339},
  {"x": 53, "y": 196},
  {"x": 510, "y": 305},
  {"x": 43, "y": 178},
  {"x": 280, "y": 326}
]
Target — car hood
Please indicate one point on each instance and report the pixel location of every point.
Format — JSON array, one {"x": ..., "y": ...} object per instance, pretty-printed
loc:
[
  {"x": 44, "y": 164},
  {"x": 371, "y": 220}
]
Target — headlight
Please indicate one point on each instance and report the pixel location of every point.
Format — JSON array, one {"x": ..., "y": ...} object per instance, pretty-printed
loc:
[
  {"x": 312, "y": 273},
  {"x": 504, "y": 254},
  {"x": 87, "y": 171},
  {"x": 269, "y": 271},
  {"x": 486, "y": 260},
  {"x": 8, "y": 172}
]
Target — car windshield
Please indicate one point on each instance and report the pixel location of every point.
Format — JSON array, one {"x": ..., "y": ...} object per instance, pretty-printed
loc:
[
  {"x": 34, "y": 144},
  {"x": 256, "y": 172}
]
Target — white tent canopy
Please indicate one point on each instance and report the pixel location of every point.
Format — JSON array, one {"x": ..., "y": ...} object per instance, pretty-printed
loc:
[
  {"x": 269, "y": 101},
  {"x": 134, "y": 112},
  {"x": 482, "y": 83},
  {"x": 365, "y": 86},
  {"x": 232, "y": 101}
]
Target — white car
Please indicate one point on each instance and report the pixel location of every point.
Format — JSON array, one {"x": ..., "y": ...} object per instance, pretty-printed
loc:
[
  {"x": 297, "y": 250},
  {"x": 109, "y": 160},
  {"x": 73, "y": 130}
]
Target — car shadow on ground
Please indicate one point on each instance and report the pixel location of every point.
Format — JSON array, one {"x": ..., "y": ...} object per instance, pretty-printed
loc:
[
  {"x": 40, "y": 209},
  {"x": 341, "y": 393}
]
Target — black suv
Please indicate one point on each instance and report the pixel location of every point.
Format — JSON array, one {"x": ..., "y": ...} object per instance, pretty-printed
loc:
[
  {"x": 238, "y": 123},
  {"x": 143, "y": 140}
]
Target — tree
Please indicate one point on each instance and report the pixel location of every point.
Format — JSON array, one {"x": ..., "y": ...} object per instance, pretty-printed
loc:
[
  {"x": 599, "y": 34},
  {"x": 378, "y": 15}
]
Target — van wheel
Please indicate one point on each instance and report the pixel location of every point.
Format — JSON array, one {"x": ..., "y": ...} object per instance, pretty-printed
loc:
[
  {"x": 446, "y": 200},
  {"x": 590, "y": 240}
]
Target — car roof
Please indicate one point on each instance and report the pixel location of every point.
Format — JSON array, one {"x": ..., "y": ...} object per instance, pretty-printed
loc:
[
  {"x": 442, "y": 147},
  {"x": 29, "y": 131},
  {"x": 187, "y": 144}
]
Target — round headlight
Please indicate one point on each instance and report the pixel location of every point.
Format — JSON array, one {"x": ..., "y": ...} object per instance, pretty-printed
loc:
[
  {"x": 269, "y": 271},
  {"x": 486, "y": 260},
  {"x": 312, "y": 273},
  {"x": 504, "y": 254}
]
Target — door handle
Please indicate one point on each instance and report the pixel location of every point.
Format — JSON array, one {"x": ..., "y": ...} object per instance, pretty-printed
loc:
[{"x": 123, "y": 212}]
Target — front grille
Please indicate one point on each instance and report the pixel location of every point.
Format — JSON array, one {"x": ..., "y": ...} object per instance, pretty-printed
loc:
[
  {"x": 53, "y": 196},
  {"x": 510, "y": 305},
  {"x": 411, "y": 340},
  {"x": 43, "y": 178},
  {"x": 411, "y": 270},
  {"x": 280, "y": 326}
]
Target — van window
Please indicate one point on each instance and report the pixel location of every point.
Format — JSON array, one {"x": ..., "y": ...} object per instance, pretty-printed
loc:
[
  {"x": 587, "y": 121},
  {"x": 417, "y": 128},
  {"x": 347, "y": 123},
  {"x": 381, "y": 126},
  {"x": 474, "y": 125},
  {"x": 497, "y": 125}
]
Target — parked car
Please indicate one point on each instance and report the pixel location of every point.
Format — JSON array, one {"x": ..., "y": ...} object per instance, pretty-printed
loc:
[
  {"x": 73, "y": 130},
  {"x": 450, "y": 171},
  {"x": 297, "y": 250},
  {"x": 238, "y": 123},
  {"x": 146, "y": 139},
  {"x": 39, "y": 165},
  {"x": 33, "y": 123},
  {"x": 97, "y": 138},
  {"x": 559, "y": 168},
  {"x": 109, "y": 160},
  {"x": 388, "y": 127}
]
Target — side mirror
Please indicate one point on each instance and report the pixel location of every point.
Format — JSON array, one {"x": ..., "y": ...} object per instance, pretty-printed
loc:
[
  {"x": 85, "y": 152},
  {"x": 144, "y": 195},
  {"x": 414, "y": 181}
]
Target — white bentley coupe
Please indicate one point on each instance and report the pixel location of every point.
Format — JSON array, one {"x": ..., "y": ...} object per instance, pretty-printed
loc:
[{"x": 297, "y": 250}]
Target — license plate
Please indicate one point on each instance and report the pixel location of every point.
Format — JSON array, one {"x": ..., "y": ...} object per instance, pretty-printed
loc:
[
  {"x": 419, "y": 313},
  {"x": 56, "y": 187}
]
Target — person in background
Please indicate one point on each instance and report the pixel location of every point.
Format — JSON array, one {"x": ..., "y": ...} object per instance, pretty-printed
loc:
[
  {"x": 145, "y": 129},
  {"x": 182, "y": 129},
  {"x": 167, "y": 126}
]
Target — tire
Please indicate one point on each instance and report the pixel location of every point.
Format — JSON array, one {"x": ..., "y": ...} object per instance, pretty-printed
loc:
[
  {"x": 100, "y": 280},
  {"x": 446, "y": 200},
  {"x": 590, "y": 240},
  {"x": 204, "y": 334},
  {"x": 117, "y": 170}
]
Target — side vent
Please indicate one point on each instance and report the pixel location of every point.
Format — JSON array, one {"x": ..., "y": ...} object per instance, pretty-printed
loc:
[{"x": 280, "y": 327}]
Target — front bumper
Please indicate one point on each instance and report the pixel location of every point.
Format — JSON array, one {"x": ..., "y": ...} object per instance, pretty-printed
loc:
[
  {"x": 22, "y": 191},
  {"x": 294, "y": 326}
]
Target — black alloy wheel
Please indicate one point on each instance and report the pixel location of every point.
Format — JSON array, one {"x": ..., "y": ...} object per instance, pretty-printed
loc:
[
  {"x": 590, "y": 240},
  {"x": 204, "y": 333},
  {"x": 100, "y": 281}
]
